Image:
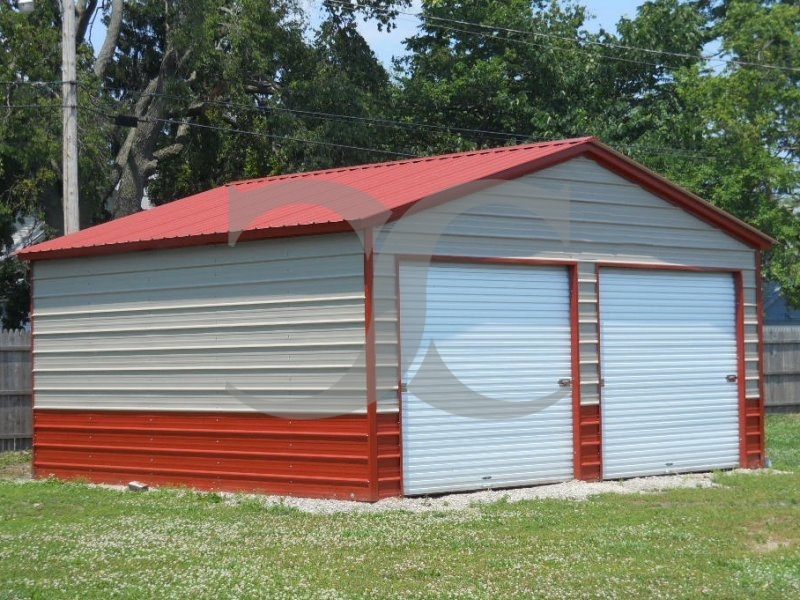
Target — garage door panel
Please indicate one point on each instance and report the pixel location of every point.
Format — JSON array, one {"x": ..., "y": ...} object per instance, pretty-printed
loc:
[
  {"x": 675, "y": 430},
  {"x": 668, "y": 342},
  {"x": 504, "y": 333}
]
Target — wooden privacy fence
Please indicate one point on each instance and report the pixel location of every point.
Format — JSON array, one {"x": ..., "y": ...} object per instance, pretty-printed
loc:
[
  {"x": 782, "y": 368},
  {"x": 16, "y": 414}
]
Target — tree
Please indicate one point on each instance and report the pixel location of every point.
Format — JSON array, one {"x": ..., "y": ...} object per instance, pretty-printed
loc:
[
  {"x": 738, "y": 127},
  {"x": 182, "y": 95},
  {"x": 531, "y": 68},
  {"x": 487, "y": 67},
  {"x": 168, "y": 66}
]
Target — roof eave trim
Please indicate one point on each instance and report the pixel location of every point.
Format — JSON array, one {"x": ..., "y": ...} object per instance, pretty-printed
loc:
[{"x": 185, "y": 241}]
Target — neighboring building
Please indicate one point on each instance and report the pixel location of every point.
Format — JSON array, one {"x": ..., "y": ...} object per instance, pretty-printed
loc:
[
  {"x": 529, "y": 314},
  {"x": 776, "y": 311}
]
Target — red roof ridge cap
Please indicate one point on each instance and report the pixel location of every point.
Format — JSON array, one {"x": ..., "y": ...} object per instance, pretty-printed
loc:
[{"x": 415, "y": 160}]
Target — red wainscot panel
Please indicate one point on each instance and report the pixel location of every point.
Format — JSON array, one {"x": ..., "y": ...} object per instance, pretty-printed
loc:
[
  {"x": 590, "y": 463},
  {"x": 325, "y": 458},
  {"x": 389, "y": 459},
  {"x": 754, "y": 453}
]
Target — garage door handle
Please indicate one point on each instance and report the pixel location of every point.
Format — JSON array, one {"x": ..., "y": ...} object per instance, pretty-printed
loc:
[
  {"x": 731, "y": 378},
  {"x": 565, "y": 382}
]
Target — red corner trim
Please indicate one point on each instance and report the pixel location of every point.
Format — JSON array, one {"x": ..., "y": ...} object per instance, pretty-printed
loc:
[
  {"x": 762, "y": 400},
  {"x": 400, "y": 373},
  {"x": 372, "y": 391},
  {"x": 577, "y": 454},
  {"x": 33, "y": 373},
  {"x": 739, "y": 286}
]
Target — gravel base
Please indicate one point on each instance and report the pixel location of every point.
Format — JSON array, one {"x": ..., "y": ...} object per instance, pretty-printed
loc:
[{"x": 569, "y": 490}]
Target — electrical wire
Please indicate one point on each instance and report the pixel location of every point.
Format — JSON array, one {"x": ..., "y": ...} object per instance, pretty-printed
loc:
[
  {"x": 548, "y": 46},
  {"x": 498, "y": 135},
  {"x": 637, "y": 148},
  {"x": 30, "y": 82},
  {"x": 710, "y": 58},
  {"x": 351, "y": 118},
  {"x": 31, "y": 106},
  {"x": 260, "y": 134}
]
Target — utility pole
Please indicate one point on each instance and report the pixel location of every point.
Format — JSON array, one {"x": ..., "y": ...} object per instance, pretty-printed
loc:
[{"x": 69, "y": 92}]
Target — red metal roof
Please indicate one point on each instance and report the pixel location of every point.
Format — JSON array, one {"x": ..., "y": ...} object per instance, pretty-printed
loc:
[{"x": 363, "y": 193}]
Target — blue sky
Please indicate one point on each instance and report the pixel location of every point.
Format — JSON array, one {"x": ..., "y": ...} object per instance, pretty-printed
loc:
[
  {"x": 387, "y": 45},
  {"x": 606, "y": 12}
]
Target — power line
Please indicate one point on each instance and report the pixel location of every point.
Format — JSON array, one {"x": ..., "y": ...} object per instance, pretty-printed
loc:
[
  {"x": 507, "y": 136},
  {"x": 334, "y": 116},
  {"x": 639, "y": 148},
  {"x": 589, "y": 42},
  {"x": 31, "y": 106},
  {"x": 261, "y": 134},
  {"x": 276, "y": 136},
  {"x": 30, "y": 82},
  {"x": 499, "y": 135},
  {"x": 541, "y": 45},
  {"x": 527, "y": 42}
]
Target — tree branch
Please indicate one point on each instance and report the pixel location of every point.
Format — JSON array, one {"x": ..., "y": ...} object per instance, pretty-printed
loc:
[
  {"x": 173, "y": 149},
  {"x": 112, "y": 37},
  {"x": 84, "y": 11},
  {"x": 165, "y": 153},
  {"x": 262, "y": 87}
]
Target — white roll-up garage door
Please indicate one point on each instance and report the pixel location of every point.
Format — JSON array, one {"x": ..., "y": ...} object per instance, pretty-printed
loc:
[
  {"x": 491, "y": 412},
  {"x": 668, "y": 348}
]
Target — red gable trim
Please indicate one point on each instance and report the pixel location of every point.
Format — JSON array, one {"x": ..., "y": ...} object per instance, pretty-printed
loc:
[{"x": 666, "y": 190}]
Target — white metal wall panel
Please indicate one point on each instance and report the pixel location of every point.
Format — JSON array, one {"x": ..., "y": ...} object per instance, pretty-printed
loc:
[
  {"x": 504, "y": 332},
  {"x": 281, "y": 320},
  {"x": 579, "y": 211},
  {"x": 668, "y": 342}
]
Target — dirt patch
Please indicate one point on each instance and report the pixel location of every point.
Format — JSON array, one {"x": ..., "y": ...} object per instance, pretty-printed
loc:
[
  {"x": 773, "y": 534},
  {"x": 15, "y": 465},
  {"x": 771, "y": 545}
]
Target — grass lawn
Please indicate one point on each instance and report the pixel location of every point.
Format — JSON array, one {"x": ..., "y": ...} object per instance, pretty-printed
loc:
[{"x": 738, "y": 540}]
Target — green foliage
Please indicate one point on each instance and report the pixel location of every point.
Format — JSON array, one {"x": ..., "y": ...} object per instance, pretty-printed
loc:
[
  {"x": 740, "y": 126},
  {"x": 783, "y": 433},
  {"x": 14, "y": 294}
]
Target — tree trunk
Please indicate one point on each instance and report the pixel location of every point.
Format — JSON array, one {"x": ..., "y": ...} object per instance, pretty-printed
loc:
[{"x": 137, "y": 160}]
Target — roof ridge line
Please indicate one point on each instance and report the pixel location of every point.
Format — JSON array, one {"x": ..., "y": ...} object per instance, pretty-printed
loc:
[{"x": 403, "y": 161}]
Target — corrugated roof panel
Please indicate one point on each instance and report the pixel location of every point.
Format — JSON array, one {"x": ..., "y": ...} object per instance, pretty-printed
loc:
[{"x": 371, "y": 190}]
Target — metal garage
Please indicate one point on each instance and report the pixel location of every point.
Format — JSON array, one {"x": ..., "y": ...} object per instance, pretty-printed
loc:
[{"x": 486, "y": 319}]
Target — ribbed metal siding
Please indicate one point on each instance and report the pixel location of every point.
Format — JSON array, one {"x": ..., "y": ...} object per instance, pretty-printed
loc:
[
  {"x": 168, "y": 330},
  {"x": 608, "y": 219},
  {"x": 504, "y": 332},
  {"x": 326, "y": 458},
  {"x": 668, "y": 341}
]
